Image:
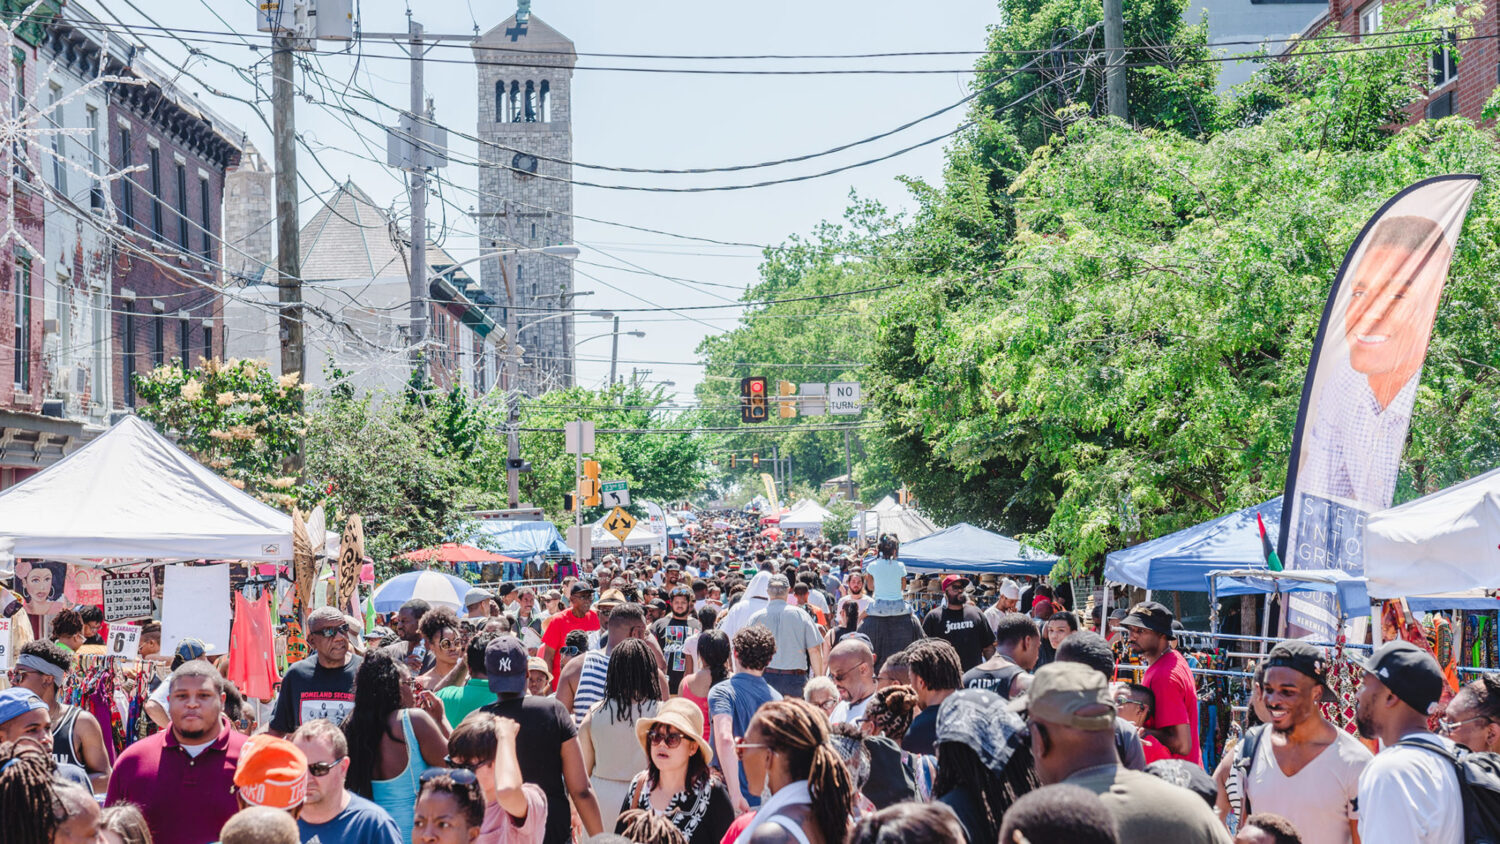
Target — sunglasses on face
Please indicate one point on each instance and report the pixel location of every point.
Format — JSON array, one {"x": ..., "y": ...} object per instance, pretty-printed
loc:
[
  {"x": 321, "y": 769},
  {"x": 449, "y": 643},
  {"x": 740, "y": 746},
  {"x": 332, "y": 632},
  {"x": 570, "y": 650},
  {"x": 463, "y": 766},
  {"x": 462, "y": 776},
  {"x": 671, "y": 739}
]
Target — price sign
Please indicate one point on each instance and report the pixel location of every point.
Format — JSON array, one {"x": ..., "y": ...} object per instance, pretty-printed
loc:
[
  {"x": 124, "y": 641},
  {"x": 5, "y": 654},
  {"x": 127, "y": 596}
]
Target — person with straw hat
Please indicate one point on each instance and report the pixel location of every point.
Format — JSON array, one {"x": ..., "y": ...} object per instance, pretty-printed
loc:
[{"x": 677, "y": 782}]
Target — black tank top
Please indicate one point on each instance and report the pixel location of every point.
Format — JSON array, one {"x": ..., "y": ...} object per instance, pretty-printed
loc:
[
  {"x": 997, "y": 680},
  {"x": 62, "y": 739}
]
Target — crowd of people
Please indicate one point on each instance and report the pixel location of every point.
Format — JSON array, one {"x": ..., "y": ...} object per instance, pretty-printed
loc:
[{"x": 740, "y": 691}]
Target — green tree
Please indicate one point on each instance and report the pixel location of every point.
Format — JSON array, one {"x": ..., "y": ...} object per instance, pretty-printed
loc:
[{"x": 234, "y": 417}]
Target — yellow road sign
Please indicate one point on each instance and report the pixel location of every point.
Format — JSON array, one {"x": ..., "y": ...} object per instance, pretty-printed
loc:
[{"x": 619, "y": 523}]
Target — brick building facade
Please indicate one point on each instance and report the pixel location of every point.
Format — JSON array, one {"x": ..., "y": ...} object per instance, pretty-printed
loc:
[{"x": 1460, "y": 84}]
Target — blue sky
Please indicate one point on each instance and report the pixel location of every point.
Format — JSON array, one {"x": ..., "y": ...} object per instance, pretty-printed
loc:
[{"x": 654, "y": 120}]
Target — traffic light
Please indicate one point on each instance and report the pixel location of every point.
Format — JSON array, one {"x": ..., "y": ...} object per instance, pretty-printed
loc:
[
  {"x": 755, "y": 461},
  {"x": 588, "y": 485},
  {"x": 731, "y": 461},
  {"x": 591, "y": 469},
  {"x": 788, "y": 406},
  {"x": 570, "y": 502},
  {"x": 753, "y": 399}
]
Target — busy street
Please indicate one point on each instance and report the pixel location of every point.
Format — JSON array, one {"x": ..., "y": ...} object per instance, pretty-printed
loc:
[{"x": 980, "y": 422}]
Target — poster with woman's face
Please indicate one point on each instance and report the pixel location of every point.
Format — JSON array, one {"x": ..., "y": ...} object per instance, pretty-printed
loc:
[{"x": 41, "y": 585}]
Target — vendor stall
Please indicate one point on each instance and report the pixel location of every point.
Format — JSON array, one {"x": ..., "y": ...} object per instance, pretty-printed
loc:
[
  {"x": 966, "y": 548},
  {"x": 806, "y": 515},
  {"x": 130, "y": 494}
]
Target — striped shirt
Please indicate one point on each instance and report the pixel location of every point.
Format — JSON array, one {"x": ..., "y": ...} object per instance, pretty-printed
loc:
[{"x": 590, "y": 683}]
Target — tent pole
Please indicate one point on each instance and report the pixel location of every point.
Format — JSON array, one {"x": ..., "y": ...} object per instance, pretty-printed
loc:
[
  {"x": 1265, "y": 619},
  {"x": 1104, "y": 616}
]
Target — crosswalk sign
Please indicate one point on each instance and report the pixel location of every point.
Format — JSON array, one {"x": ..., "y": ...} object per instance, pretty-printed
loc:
[{"x": 619, "y": 523}]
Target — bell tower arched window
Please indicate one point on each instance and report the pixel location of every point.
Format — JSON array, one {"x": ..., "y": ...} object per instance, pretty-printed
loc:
[
  {"x": 530, "y": 101},
  {"x": 544, "y": 112},
  {"x": 500, "y": 116},
  {"x": 514, "y": 114}
]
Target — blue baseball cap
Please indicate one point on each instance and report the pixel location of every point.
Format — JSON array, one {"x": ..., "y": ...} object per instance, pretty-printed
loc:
[{"x": 15, "y": 702}]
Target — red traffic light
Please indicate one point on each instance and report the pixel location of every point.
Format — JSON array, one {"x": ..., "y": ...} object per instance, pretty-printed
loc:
[{"x": 757, "y": 386}]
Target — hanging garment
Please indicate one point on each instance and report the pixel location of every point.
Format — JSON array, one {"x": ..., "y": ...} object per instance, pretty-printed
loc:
[{"x": 252, "y": 652}]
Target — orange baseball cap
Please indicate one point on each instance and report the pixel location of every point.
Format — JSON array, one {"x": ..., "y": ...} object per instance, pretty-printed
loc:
[{"x": 272, "y": 772}]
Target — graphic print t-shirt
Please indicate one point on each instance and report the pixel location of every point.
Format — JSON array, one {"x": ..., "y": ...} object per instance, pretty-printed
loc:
[
  {"x": 671, "y": 633},
  {"x": 309, "y": 692},
  {"x": 965, "y": 629}
]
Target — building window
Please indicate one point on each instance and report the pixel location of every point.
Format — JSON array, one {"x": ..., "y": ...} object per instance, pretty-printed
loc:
[
  {"x": 21, "y": 153},
  {"x": 99, "y": 379},
  {"x": 128, "y": 353},
  {"x": 127, "y": 184},
  {"x": 59, "y": 169},
  {"x": 208, "y": 342},
  {"x": 22, "y": 282},
  {"x": 203, "y": 195},
  {"x": 1445, "y": 62},
  {"x": 514, "y": 111},
  {"x": 1369, "y": 18},
  {"x": 530, "y": 101},
  {"x": 96, "y": 194},
  {"x": 64, "y": 325},
  {"x": 544, "y": 103},
  {"x": 156, "y": 221},
  {"x": 182, "y": 208},
  {"x": 500, "y": 115},
  {"x": 158, "y": 340},
  {"x": 184, "y": 342}
]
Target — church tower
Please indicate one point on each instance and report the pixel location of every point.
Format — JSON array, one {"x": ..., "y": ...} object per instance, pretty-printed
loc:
[{"x": 525, "y": 193}]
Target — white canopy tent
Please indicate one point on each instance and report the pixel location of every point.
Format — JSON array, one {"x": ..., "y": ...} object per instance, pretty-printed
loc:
[
  {"x": 1448, "y": 541},
  {"x": 641, "y": 534},
  {"x": 806, "y": 514},
  {"x": 130, "y": 494}
]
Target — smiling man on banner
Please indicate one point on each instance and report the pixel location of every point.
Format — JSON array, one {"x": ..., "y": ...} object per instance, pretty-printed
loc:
[{"x": 1362, "y": 382}]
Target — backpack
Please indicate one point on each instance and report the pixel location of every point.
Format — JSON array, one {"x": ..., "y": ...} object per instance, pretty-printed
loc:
[
  {"x": 1479, "y": 783},
  {"x": 1244, "y": 758}
]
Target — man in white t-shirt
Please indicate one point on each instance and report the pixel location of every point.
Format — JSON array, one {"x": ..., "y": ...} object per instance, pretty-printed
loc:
[
  {"x": 1304, "y": 768},
  {"x": 1407, "y": 794},
  {"x": 851, "y": 663},
  {"x": 1009, "y": 597}
]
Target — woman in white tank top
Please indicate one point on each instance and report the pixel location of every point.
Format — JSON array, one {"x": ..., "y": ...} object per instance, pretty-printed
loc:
[{"x": 807, "y": 793}]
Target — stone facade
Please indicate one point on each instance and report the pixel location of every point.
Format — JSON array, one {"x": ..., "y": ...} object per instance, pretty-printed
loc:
[
  {"x": 249, "y": 215},
  {"x": 525, "y": 81}
]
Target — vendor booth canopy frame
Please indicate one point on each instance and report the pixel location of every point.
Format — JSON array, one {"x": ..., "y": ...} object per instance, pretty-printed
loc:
[{"x": 966, "y": 548}]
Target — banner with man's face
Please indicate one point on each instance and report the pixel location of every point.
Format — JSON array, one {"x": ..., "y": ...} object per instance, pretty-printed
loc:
[{"x": 1362, "y": 382}]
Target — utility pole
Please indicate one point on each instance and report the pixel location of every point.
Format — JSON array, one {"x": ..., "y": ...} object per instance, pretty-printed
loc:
[
  {"x": 288, "y": 253},
  {"x": 614, "y": 350},
  {"x": 1114, "y": 58},
  {"x": 848, "y": 469},
  {"x": 417, "y": 272},
  {"x": 512, "y": 401}
]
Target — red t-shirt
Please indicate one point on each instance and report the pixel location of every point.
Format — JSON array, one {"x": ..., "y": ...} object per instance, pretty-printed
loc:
[
  {"x": 556, "y": 634},
  {"x": 1153, "y": 749},
  {"x": 1176, "y": 698}
]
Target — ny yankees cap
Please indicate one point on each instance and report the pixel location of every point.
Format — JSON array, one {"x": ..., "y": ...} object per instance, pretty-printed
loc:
[{"x": 505, "y": 665}]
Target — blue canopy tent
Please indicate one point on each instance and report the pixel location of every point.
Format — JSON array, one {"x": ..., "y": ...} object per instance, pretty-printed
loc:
[
  {"x": 1182, "y": 561},
  {"x": 966, "y": 548},
  {"x": 522, "y": 540}
]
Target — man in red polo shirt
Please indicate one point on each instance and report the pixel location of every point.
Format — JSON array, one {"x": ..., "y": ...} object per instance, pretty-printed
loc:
[
  {"x": 578, "y": 617},
  {"x": 182, "y": 778},
  {"x": 1174, "y": 722}
]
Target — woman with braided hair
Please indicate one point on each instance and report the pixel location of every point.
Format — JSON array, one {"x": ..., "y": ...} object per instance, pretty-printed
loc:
[
  {"x": 37, "y": 809},
  {"x": 611, "y": 755},
  {"x": 807, "y": 793}
]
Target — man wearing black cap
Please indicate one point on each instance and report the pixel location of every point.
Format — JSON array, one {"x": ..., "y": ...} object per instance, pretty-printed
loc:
[
  {"x": 546, "y": 743},
  {"x": 1303, "y": 768},
  {"x": 1406, "y": 793},
  {"x": 1175, "y": 721}
]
